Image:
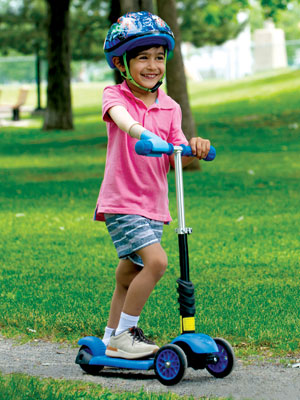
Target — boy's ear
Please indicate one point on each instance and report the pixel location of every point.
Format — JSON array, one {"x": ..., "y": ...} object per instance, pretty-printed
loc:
[{"x": 118, "y": 64}]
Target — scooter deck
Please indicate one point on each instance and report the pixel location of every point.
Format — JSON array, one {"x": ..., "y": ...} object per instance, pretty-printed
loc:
[
  {"x": 122, "y": 363},
  {"x": 98, "y": 348}
]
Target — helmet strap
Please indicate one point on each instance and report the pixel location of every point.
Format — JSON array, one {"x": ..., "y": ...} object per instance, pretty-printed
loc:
[{"x": 130, "y": 78}]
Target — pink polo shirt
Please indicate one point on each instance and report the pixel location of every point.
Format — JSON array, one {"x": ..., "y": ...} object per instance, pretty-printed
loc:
[{"x": 134, "y": 184}]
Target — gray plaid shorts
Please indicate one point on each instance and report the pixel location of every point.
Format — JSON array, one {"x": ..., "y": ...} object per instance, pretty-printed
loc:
[{"x": 130, "y": 233}]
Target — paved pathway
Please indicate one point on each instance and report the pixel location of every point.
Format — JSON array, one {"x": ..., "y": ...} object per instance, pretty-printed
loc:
[{"x": 260, "y": 381}]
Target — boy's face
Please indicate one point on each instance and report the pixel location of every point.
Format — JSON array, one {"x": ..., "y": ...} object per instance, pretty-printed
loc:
[{"x": 148, "y": 67}]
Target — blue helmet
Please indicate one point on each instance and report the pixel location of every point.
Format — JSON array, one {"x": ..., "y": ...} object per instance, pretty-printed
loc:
[{"x": 137, "y": 29}]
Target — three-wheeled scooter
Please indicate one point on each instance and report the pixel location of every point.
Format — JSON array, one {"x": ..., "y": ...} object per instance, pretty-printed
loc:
[{"x": 189, "y": 349}]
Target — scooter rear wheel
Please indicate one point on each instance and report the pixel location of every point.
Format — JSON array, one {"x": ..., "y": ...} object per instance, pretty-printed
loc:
[
  {"x": 170, "y": 364},
  {"x": 226, "y": 361},
  {"x": 85, "y": 353}
]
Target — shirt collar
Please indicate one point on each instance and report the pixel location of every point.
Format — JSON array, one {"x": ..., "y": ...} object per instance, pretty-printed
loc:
[{"x": 163, "y": 100}]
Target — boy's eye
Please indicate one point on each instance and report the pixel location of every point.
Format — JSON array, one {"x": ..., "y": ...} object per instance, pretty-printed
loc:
[{"x": 146, "y": 57}]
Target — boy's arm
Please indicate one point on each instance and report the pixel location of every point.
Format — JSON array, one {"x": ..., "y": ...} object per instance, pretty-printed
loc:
[
  {"x": 125, "y": 122},
  {"x": 122, "y": 118}
]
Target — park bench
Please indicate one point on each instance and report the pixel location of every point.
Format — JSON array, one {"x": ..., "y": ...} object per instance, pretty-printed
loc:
[
  {"x": 22, "y": 97},
  {"x": 15, "y": 108}
]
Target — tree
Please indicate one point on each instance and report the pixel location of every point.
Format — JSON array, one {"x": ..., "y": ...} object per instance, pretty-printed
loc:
[
  {"x": 210, "y": 22},
  {"x": 59, "y": 111},
  {"x": 88, "y": 27},
  {"x": 176, "y": 80},
  {"x": 24, "y": 29},
  {"x": 136, "y": 5},
  {"x": 272, "y": 7}
]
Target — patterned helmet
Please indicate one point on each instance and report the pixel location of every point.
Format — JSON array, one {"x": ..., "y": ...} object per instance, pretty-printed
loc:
[{"x": 137, "y": 29}]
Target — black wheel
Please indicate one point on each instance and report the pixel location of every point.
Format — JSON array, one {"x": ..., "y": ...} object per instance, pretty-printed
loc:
[
  {"x": 83, "y": 357},
  {"x": 170, "y": 364},
  {"x": 226, "y": 360}
]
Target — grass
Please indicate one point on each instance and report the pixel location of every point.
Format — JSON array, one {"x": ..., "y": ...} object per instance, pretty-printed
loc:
[
  {"x": 57, "y": 265},
  {"x": 22, "y": 387}
]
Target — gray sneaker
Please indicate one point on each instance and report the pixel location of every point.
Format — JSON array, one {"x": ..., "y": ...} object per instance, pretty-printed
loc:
[{"x": 130, "y": 344}]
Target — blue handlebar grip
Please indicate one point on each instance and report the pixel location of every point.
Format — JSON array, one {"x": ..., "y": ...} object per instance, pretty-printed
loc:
[
  {"x": 143, "y": 147},
  {"x": 211, "y": 154},
  {"x": 146, "y": 148},
  {"x": 187, "y": 151}
]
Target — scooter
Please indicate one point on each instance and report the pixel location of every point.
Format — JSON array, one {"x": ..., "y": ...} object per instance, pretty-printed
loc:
[{"x": 190, "y": 349}]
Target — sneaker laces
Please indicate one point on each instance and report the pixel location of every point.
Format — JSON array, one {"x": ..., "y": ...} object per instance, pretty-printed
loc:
[{"x": 138, "y": 335}]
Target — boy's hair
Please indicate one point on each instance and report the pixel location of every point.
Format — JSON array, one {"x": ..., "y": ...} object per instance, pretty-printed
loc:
[{"x": 135, "y": 52}]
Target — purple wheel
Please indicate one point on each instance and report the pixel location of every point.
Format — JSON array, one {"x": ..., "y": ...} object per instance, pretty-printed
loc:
[
  {"x": 170, "y": 364},
  {"x": 226, "y": 360}
]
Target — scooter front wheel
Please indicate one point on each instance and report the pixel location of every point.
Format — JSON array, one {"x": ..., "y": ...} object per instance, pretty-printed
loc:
[
  {"x": 226, "y": 360},
  {"x": 170, "y": 364}
]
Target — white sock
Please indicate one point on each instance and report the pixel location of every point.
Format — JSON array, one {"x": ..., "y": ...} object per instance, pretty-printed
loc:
[
  {"x": 126, "y": 321},
  {"x": 107, "y": 334}
]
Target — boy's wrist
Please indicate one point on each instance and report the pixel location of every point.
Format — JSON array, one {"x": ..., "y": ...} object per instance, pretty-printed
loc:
[{"x": 136, "y": 130}]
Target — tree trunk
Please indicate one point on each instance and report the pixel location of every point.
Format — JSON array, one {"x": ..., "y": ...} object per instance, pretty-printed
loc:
[
  {"x": 59, "y": 109},
  {"x": 136, "y": 5},
  {"x": 176, "y": 80},
  {"x": 114, "y": 14}
]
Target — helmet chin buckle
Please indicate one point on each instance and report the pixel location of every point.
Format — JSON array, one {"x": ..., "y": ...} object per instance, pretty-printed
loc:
[{"x": 154, "y": 89}]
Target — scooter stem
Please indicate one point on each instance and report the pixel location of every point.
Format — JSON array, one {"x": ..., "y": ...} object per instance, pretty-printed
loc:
[
  {"x": 179, "y": 190},
  {"x": 185, "y": 287}
]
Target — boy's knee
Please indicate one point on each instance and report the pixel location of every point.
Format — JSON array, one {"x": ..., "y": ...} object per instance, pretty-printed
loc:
[
  {"x": 125, "y": 273},
  {"x": 158, "y": 266}
]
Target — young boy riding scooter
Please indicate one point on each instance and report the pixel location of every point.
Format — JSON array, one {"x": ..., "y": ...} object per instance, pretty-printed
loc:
[{"x": 133, "y": 199}]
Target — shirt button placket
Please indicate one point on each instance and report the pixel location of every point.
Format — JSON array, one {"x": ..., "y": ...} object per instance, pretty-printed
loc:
[{"x": 145, "y": 115}]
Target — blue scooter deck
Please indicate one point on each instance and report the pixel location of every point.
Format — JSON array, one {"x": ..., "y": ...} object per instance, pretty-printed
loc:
[
  {"x": 98, "y": 348},
  {"x": 122, "y": 363}
]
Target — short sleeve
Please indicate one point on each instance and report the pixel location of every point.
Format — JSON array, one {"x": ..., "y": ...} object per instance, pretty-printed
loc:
[{"x": 111, "y": 97}]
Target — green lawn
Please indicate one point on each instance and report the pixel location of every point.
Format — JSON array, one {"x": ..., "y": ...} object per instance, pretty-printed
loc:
[
  {"x": 21, "y": 387},
  {"x": 57, "y": 265}
]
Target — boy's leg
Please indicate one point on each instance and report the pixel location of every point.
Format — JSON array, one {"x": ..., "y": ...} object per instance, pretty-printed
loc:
[
  {"x": 125, "y": 273},
  {"x": 132, "y": 343},
  {"x": 155, "y": 263}
]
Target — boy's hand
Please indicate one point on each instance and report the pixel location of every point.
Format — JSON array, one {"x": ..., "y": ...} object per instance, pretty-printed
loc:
[{"x": 200, "y": 147}]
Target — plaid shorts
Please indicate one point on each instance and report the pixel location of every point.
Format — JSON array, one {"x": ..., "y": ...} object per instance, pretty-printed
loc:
[{"x": 130, "y": 233}]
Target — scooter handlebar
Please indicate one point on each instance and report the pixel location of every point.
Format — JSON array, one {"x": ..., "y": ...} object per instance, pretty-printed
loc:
[
  {"x": 146, "y": 148},
  {"x": 187, "y": 151}
]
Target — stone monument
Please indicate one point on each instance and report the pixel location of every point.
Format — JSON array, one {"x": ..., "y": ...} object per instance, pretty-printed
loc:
[{"x": 269, "y": 48}]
